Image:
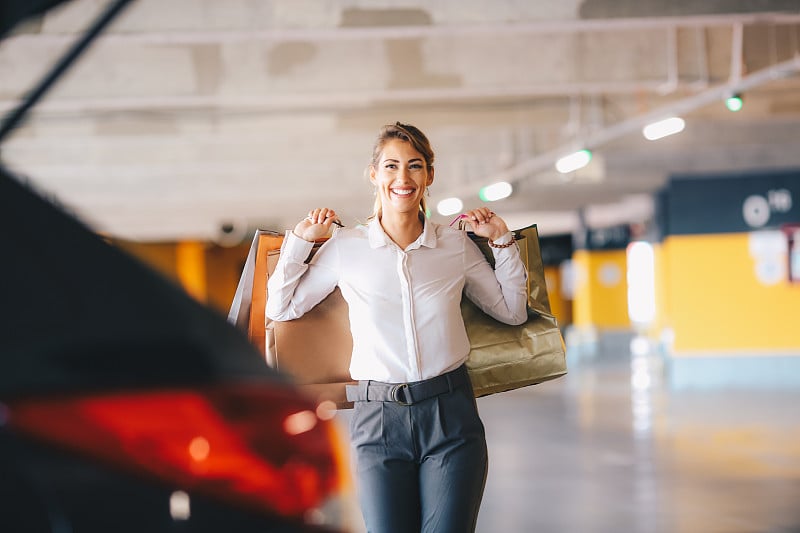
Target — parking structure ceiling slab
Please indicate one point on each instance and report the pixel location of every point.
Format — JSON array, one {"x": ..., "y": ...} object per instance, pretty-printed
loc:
[{"x": 190, "y": 116}]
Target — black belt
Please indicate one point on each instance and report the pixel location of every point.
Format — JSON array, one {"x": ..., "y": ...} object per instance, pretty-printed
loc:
[{"x": 408, "y": 393}]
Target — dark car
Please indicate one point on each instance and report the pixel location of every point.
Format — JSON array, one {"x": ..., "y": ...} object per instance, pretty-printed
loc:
[{"x": 127, "y": 406}]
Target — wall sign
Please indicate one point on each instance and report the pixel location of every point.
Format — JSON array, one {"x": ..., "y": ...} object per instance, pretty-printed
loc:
[
  {"x": 731, "y": 203},
  {"x": 758, "y": 209},
  {"x": 607, "y": 238}
]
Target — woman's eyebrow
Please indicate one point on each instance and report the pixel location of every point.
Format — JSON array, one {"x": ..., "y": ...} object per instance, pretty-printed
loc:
[{"x": 415, "y": 160}]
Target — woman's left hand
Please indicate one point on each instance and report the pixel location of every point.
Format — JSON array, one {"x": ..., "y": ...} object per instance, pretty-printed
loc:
[{"x": 485, "y": 223}]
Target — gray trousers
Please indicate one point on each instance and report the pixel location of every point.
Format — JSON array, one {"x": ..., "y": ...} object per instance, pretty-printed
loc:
[{"x": 420, "y": 467}]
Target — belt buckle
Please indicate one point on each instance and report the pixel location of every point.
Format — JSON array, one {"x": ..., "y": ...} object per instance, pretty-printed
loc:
[{"x": 394, "y": 394}]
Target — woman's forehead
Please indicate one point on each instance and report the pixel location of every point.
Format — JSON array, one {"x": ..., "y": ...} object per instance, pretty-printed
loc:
[{"x": 400, "y": 150}]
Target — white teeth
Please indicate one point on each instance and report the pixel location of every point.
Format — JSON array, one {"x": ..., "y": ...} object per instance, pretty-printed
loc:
[{"x": 402, "y": 191}]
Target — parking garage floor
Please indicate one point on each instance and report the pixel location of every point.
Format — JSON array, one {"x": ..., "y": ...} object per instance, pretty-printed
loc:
[{"x": 610, "y": 448}]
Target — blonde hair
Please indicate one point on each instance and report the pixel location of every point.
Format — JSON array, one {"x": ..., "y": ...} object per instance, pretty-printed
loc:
[{"x": 410, "y": 134}]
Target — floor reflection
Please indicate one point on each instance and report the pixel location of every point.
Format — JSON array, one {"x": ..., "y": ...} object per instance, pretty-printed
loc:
[{"x": 609, "y": 448}]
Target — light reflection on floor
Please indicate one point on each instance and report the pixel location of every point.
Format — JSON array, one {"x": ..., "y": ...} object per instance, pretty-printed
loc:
[{"x": 609, "y": 448}]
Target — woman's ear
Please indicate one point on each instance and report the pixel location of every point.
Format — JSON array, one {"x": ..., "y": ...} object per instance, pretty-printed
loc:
[
  {"x": 372, "y": 174},
  {"x": 430, "y": 176}
]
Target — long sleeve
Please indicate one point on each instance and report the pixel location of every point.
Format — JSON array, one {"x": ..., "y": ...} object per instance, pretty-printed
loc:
[
  {"x": 500, "y": 293},
  {"x": 295, "y": 286}
]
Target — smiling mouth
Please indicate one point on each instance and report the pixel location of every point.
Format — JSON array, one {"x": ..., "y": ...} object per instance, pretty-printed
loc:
[{"x": 402, "y": 192}]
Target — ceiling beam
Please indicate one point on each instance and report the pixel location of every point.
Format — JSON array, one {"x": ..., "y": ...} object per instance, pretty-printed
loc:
[
  {"x": 334, "y": 101},
  {"x": 349, "y": 33}
]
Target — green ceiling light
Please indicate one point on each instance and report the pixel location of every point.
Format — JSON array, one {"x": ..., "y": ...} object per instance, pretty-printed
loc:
[{"x": 734, "y": 102}]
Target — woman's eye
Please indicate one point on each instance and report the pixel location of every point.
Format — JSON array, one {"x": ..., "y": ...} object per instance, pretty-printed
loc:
[
  {"x": 391, "y": 165},
  {"x": 416, "y": 166}
]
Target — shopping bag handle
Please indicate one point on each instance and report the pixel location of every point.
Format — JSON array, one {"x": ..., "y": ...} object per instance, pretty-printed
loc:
[{"x": 459, "y": 217}]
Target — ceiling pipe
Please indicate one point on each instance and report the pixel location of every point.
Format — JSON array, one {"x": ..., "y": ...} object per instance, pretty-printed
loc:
[
  {"x": 737, "y": 53},
  {"x": 702, "y": 59},
  {"x": 527, "y": 169},
  {"x": 347, "y": 33},
  {"x": 672, "y": 62}
]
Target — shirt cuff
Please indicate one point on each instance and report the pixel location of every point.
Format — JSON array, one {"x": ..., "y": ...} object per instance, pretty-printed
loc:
[
  {"x": 506, "y": 238},
  {"x": 294, "y": 248}
]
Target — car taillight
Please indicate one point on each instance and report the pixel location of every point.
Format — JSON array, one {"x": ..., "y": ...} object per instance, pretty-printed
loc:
[{"x": 259, "y": 446}]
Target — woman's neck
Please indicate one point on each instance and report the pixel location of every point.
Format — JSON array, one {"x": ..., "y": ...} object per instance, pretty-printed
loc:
[{"x": 402, "y": 228}]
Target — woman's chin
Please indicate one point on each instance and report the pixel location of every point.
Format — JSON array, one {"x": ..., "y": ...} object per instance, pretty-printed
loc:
[{"x": 409, "y": 203}]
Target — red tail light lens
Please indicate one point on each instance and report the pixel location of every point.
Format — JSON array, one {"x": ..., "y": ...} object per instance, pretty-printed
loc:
[{"x": 252, "y": 445}]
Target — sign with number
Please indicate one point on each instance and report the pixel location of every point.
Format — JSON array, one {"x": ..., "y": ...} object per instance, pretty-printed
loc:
[{"x": 731, "y": 203}]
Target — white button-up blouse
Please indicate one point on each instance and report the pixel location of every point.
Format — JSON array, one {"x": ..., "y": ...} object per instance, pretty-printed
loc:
[{"x": 404, "y": 305}]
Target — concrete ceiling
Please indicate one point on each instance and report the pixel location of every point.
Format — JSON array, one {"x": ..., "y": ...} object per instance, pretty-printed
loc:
[{"x": 188, "y": 116}]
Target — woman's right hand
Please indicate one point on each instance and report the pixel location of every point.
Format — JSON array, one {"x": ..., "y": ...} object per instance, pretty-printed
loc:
[{"x": 316, "y": 225}]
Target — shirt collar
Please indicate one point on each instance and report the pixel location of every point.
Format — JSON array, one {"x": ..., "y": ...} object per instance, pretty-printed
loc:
[
  {"x": 378, "y": 238},
  {"x": 428, "y": 237}
]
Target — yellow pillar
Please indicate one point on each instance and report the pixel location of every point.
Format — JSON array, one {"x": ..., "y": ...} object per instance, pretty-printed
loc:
[
  {"x": 190, "y": 264},
  {"x": 600, "y": 289}
]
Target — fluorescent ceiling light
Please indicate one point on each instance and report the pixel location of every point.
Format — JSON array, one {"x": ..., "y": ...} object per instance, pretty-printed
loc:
[
  {"x": 663, "y": 128},
  {"x": 495, "y": 191},
  {"x": 572, "y": 162},
  {"x": 450, "y": 206}
]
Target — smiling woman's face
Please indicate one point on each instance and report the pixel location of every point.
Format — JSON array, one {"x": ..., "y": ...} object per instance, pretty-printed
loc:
[{"x": 400, "y": 177}]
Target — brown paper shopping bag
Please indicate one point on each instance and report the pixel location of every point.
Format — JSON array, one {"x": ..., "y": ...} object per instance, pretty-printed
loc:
[
  {"x": 314, "y": 349},
  {"x": 504, "y": 357}
]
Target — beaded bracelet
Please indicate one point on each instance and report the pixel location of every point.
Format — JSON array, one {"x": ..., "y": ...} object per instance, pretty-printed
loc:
[{"x": 506, "y": 245}]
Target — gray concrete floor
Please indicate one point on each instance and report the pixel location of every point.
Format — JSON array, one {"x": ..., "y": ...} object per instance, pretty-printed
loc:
[{"x": 609, "y": 448}]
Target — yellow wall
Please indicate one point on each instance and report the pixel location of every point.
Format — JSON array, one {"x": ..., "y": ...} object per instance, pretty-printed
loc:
[
  {"x": 560, "y": 306},
  {"x": 224, "y": 267},
  {"x": 716, "y": 302},
  {"x": 160, "y": 256},
  {"x": 208, "y": 272},
  {"x": 601, "y": 289}
]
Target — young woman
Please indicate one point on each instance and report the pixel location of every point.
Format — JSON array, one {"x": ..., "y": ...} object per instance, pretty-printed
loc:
[{"x": 420, "y": 447}]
